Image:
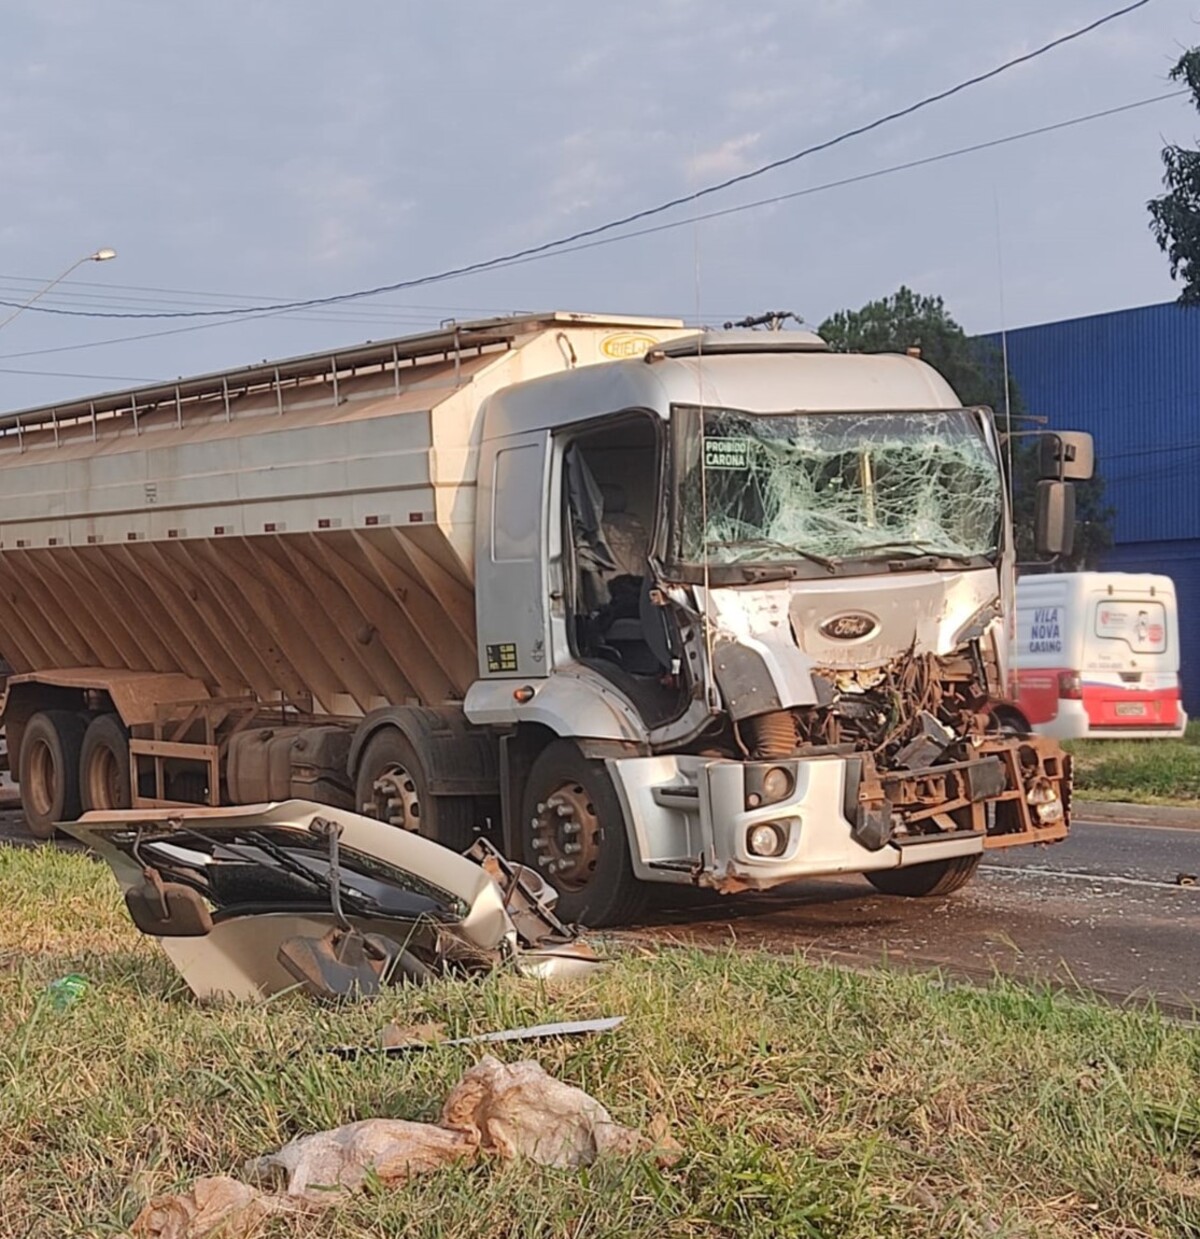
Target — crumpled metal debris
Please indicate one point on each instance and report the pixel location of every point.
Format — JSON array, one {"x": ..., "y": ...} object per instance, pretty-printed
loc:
[
  {"x": 513, "y": 1111},
  {"x": 399, "y": 1040},
  {"x": 251, "y": 901}
]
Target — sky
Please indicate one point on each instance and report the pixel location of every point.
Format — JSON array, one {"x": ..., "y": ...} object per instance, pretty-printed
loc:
[{"x": 244, "y": 153}]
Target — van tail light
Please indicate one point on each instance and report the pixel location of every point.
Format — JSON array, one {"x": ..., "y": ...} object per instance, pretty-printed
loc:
[{"x": 1070, "y": 686}]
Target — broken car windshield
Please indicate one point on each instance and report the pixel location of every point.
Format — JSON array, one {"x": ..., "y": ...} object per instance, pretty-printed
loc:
[
  {"x": 272, "y": 866},
  {"x": 769, "y": 488}
]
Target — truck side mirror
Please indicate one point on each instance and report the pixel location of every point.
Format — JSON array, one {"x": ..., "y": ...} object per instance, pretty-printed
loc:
[
  {"x": 1067, "y": 456},
  {"x": 1054, "y": 521}
]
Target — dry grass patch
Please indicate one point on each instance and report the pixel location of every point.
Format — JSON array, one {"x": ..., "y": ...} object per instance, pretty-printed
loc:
[{"x": 809, "y": 1100}]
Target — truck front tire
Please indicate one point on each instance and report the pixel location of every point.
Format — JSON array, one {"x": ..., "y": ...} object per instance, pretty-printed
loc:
[
  {"x": 393, "y": 786},
  {"x": 935, "y": 877},
  {"x": 49, "y": 770},
  {"x": 573, "y": 831}
]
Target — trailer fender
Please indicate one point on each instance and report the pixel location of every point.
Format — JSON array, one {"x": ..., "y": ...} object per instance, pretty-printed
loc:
[{"x": 460, "y": 760}]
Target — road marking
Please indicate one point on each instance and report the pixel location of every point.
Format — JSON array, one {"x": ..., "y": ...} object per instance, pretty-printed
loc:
[
  {"x": 1135, "y": 825},
  {"x": 1079, "y": 876}
]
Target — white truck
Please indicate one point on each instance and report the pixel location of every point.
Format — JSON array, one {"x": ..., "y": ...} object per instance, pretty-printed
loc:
[
  {"x": 645, "y": 605},
  {"x": 1097, "y": 655}
]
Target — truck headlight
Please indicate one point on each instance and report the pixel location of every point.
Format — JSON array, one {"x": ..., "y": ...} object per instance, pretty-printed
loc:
[
  {"x": 776, "y": 784},
  {"x": 768, "y": 785},
  {"x": 766, "y": 839}
]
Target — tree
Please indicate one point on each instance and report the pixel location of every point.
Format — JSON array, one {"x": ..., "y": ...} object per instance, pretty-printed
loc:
[
  {"x": 910, "y": 320},
  {"x": 974, "y": 368},
  {"x": 1175, "y": 217}
]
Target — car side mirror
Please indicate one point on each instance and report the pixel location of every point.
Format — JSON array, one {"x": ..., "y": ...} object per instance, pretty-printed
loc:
[
  {"x": 1066, "y": 456},
  {"x": 1054, "y": 520},
  {"x": 168, "y": 909}
]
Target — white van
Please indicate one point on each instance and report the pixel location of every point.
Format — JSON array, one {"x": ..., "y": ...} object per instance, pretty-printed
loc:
[{"x": 1097, "y": 654}]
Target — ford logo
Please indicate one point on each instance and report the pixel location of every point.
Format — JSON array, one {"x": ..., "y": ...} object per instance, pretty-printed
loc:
[{"x": 851, "y": 626}]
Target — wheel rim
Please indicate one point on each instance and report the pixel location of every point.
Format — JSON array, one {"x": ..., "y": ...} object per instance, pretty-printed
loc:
[
  {"x": 396, "y": 800},
  {"x": 103, "y": 780},
  {"x": 42, "y": 778},
  {"x": 566, "y": 836}
]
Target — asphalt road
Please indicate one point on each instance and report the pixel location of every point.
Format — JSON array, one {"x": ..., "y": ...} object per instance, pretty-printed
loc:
[{"x": 1104, "y": 911}]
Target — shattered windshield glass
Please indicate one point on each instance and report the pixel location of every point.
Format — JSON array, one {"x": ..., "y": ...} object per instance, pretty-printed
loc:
[{"x": 823, "y": 488}]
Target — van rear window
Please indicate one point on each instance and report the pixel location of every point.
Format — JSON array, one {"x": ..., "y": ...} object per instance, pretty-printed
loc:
[{"x": 1141, "y": 625}]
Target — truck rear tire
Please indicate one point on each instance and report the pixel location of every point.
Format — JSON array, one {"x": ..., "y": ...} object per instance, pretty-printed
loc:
[
  {"x": 935, "y": 877},
  {"x": 393, "y": 786},
  {"x": 573, "y": 832},
  {"x": 49, "y": 770},
  {"x": 104, "y": 778}
]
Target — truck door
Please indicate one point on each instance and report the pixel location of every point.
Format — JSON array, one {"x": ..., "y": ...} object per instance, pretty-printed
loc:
[{"x": 510, "y": 569}]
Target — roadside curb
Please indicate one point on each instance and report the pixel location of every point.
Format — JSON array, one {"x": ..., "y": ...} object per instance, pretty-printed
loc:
[{"x": 1122, "y": 812}]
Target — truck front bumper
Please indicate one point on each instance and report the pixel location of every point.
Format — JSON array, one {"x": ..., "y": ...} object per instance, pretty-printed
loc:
[{"x": 754, "y": 825}]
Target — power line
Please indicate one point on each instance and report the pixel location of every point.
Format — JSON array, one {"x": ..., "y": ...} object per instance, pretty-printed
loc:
[
  {"x": 583, "y": 234},
  {"x": 104, "y": 290},
  {"x": 862, "y": 176},
  {"x": 382, "y": 312},
  {"x": 67, "y": 374},
  {"x": 248, "y": 315},
  {"x": 410, "y": 312}
]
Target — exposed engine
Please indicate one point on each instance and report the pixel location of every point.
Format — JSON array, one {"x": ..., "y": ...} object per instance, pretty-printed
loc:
[
  {"x": 906, "y": 713},
  {"x": 928, "y": 757}
]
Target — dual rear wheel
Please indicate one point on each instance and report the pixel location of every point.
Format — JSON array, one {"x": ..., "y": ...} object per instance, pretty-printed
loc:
[{"x": 70, "y": 765}]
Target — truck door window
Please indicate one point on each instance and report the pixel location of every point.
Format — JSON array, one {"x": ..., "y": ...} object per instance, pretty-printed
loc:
[
  {"x": 611, "y": 490},
  {"x": 516, "y": 493}
]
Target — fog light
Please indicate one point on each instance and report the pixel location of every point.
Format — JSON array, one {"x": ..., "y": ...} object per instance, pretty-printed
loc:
[
  {"x": 766, "y": 839},
  {"x": 776, "y": 784}
]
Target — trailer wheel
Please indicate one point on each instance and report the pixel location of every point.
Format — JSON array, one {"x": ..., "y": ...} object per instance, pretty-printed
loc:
[
  {"x": 935, "y": 877},
  {"x": 104, "y": 780},
  {"x": 392, "y": 786},
  {"x": 573, "y": 831},
  {"x": 49, "y": 770}
]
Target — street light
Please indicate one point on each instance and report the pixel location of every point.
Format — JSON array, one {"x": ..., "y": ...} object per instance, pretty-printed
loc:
[{"x": 99, "y": 256}]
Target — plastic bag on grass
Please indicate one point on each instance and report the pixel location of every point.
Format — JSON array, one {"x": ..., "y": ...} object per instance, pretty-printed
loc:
[
  {"x": 215, "y": 1206},
  {"x": 518, "y": 1111},
  {"x": 329, "y": 1162},
  {"x": 512, "y": 1111}
]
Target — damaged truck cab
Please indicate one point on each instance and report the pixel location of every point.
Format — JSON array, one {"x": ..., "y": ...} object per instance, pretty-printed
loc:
[
  {"x": 746, "y": 606},
  {"x": 641, "y": 604}
]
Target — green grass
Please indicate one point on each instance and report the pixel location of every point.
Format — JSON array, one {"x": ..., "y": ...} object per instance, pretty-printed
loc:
[
  {"x": 809, "y": 1100},
  {"x": 1139, "y": 771}
]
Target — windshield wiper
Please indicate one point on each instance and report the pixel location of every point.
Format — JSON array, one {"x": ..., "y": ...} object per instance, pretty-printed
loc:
[
  {"x": 913, "y": 550},
  {"x": 300, "y": 870},
  {"x": 794, "y": 552}
]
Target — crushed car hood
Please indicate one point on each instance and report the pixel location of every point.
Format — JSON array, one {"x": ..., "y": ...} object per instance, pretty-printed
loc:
[{"x": 260, "y": 877}]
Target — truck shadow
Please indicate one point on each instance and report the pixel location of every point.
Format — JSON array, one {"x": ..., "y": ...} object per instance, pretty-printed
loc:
[{"x": 860, "y": 904}]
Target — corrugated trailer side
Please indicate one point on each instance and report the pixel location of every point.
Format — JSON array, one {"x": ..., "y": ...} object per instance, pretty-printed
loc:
[{"x": 296, "y": 537}]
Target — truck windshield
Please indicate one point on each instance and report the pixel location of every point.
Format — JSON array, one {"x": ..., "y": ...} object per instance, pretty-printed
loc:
[{"x": 819, "y": 490}]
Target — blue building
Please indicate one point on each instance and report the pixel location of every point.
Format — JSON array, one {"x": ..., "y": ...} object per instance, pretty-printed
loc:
[{"x": 1132, "y": 378}]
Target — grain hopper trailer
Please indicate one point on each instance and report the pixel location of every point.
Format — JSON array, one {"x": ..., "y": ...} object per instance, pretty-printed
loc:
[{"x": 644, "y": 605}]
